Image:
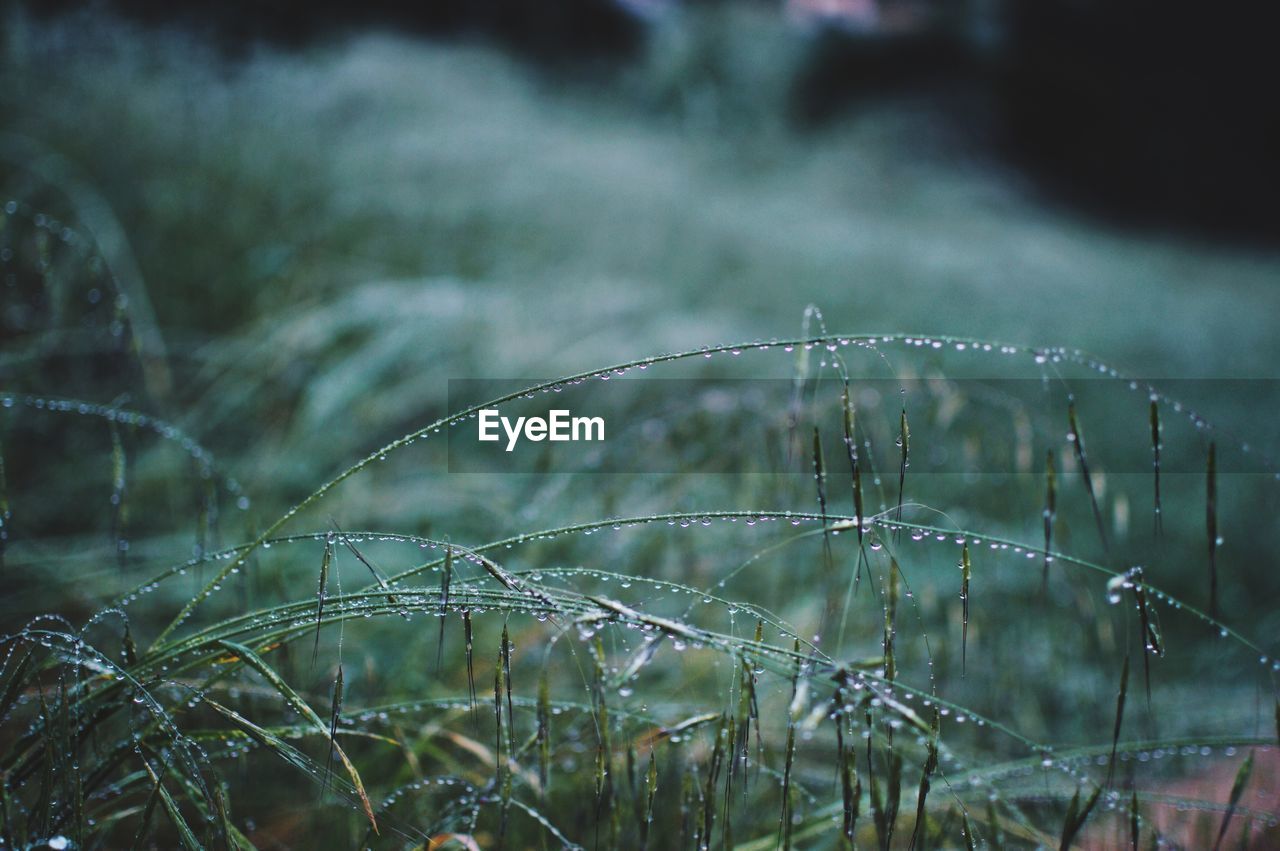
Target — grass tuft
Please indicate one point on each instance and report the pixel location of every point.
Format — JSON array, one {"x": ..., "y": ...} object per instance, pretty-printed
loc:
[{"x": 672, "y": 642}]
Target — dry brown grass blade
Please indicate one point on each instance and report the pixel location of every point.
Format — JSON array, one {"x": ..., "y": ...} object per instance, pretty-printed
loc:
[{"x": 440, "y": 840}]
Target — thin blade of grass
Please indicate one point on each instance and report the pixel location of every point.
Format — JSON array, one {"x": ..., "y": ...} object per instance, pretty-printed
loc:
[
  {"x": 128, "y": 648},
  {"x": 1115, "y": 734},
  {"x": 446, "y": 576},
  {"x": 326, "y": 562},
  {"x": 710, "y": 783},
  {"x": 651, "y": 790},
  {"x": 1135, "y": 831},
  {"x": 304, "y": 709},
  {"x": 997, "y": 827},
  {"x": 1077, "y": 815},
  {"x": 904, "y": 445},
  {"x": 1211, "y": 526},
  {"x": 784, "y": 818},
  {"x": 965, "y": 572},
  {"x": 855, "y": 467},
  {"x": 885, "y": 796},
  {"x": 544, "y": 733},
  {"x": 148, "y": 810},
  {"x": 506, "y": 675},
  {"x": 471, "y": 671},
  {"x": 502, "y": 780},
  {"x": 498, "y": 761},
  {"x": 1050, "y": 511},
  {"x": 642, "y": 657},
  {"x": 820, "y": 480},
  {"x": 287, "y": 752},
  {"x": 1237, "y": 790},
  {"x": 1149, "y": 626},
  {"x": 893, "y": 796},
  {"x": 731, "y": 742},
  {"x": 229, "y": 838},
  {"x": 846, "y": 767},
  {"x": 440, "y": 840},
  {"x": 17, "y": 680},
  {"x": 185, "y": 835},
  {"x": 930, "y": 766},
  {"x": 1158, "y": 512},
  {"x": 1076, "y": 438},
  {"x": 377, "y": 574},
  {"x": 119, "y": 495},
  {"x": 890, "y": 620},
  {"x": 335, "y": 711},
  {"x": 604, "y": 751},
  {"x": 967, "y": 830},
  {"x": 749, "y": 712}
]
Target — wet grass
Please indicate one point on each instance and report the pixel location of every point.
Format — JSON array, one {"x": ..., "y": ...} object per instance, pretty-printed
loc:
[
  {"x": 162, "y": 728},
  {"x": 679, "y": 659}
]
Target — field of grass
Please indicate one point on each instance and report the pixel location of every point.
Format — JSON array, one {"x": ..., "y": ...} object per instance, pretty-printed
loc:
[{"x": 816, "y": 590}]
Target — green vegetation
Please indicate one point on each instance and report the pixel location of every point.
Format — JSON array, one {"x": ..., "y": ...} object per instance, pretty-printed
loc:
[{"x": 887, "y": 590}]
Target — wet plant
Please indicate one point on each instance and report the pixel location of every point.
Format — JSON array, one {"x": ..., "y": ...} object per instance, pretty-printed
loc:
[{"x": 678, "y": 659}]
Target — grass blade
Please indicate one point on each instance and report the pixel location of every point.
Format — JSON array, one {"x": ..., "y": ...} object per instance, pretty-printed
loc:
[
  {"x": 506, "y": 676},
  {"x": 1115, "y": 734},
  {"x": 1211, "y": 526},
  {"x": 185, "y": 834},
  {"x": 502, "y": 777},
  {"x": 289, "y": 754},
  {"x": 16, "y": 681},
  {"x": 304, "y": 709},
  {"x": 851, "y": 445},
  {"x": 930, "y": 766},
  {"x": 1237, "y": 790},
  {"x": 890, "y": 620},
  {"x": 149, "y": 809},
  {"x": 784, "y": 818},
  {"x": 967, "y": 829},
  {"x": 128, "y": 648},
  {"x": 1076, "y": 438},
  {"x": 604, "y": 751},
  {"x": 1050, "y": 512},
  {"x": 377, "y": 574},
  {"x": 651, "y": 790},
  {"x": 1149, "y": 625},
  {"x": 1155, "y": 467},
  {"x": 712, "y": 780},
  {"x": 446, "y": 577},
  {"x": 326, "y": 561},
  {"x": 544, "y": 733},
  {"x": 1076, "y": 817},
  {"x": 820, "y": 480},
  {"x": 119, "y": 495},
  {"x": 731, "y": 741},
  {"x": 850, "y": 784},
  {"x": 471, "y": 671},
  {"x": 1135, "y": 833},
  {"x": 965, "y": 572},
  {"x": 904, "y": 445}
]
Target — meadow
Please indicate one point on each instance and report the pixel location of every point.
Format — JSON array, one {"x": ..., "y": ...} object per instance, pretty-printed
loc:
[{"x": 931, "y": 513}]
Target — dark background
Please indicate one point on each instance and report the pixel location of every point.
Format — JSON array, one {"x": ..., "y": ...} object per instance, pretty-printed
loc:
[{"x": 1146, "y": 113}]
